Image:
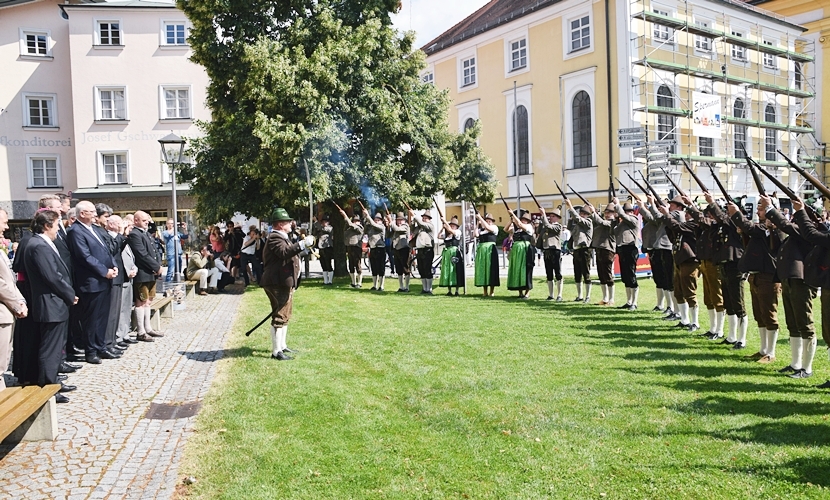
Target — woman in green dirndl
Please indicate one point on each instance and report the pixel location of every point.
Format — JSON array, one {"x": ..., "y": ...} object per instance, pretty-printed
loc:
[
  {"x": 522, "y": 255},
  {"x": 452, "y": 267},
  {"x": 487, "y": 258}
]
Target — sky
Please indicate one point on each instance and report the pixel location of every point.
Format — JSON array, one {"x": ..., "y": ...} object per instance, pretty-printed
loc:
[{"x": 430, "y": 18}]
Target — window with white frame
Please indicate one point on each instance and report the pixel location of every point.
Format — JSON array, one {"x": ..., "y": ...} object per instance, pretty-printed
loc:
[
  {"x": 798, "y": 75},
  {"x": 109, "y": 33},
  {"x": 175, "y": 33},
  {"x": 428, "y": 77},
  {"x": 521, "y": 140},
  {"x": 703, "y": 43},
  {"x": 518, "y": 54},
  {"x": 770, "y": 60},
  {"x": 582, "y": 131},
  {"x": 176, "y": 103},
  {"x": 112, "y": 103},
  {"x": 468, "y": 69},
  {"x": 39, "y": 111},
  {"x": 114, "y": 168},
  {"x": 580, "y": 33},
  {"x": 739, "y": 134},
  {"x": 666, "y": 124},
  {"x": 738, "y": 51},
  {"x": 706, "y": 146},
  {"x": 43, "y": 172},
  {"x": 660, "y": 32},
  {"x": 35, "y": 43},
  {"x": 468, "y": 124},
  {"x": 770, "y": 135}
]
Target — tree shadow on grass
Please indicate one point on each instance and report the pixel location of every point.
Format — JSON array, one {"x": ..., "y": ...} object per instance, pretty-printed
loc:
[
  {"x": 702, "y": 371},
  {"x": 217, "y": 354},
  {"x": 766, "y": 408},
  {"x": 721, "y": 386},
  {"x": 660, "y": 355}
]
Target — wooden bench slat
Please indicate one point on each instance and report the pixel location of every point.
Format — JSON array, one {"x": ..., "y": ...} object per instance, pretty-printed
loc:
[
  {"x": 7, "y": 393},
  {"x": 22, "y": 405},
  {"x": 159, "y": 303}
]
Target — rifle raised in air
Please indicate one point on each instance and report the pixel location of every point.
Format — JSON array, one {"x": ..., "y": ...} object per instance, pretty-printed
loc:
[
  {"x": 676, "y": 186},
  {"x": 695, "y": 177},
  {"x": 810, "y": 177},
  {"x": 584, "y": 200},
  {"x": 722, "y": 189},
  {"x": 534, "y": 197}
]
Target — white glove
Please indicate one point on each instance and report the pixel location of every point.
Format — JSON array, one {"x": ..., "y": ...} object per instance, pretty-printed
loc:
[{"x": 307, "y": 242}]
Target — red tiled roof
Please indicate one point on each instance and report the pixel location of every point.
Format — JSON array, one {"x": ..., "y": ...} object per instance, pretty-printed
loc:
[{"x": 495, "y": 13}]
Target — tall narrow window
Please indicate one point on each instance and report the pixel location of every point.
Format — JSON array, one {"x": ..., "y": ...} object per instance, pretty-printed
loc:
[
  {"x": 468, "y": 124},
  {"x": 665, "y": 123},
  {"x": 770, "y": 60},
  {"x": 739, "y": 134},
  {"x": 582, "y": 138},
  {"x": 738, "y": 51},
  {"x": 770, "y": 135},
  {"x": 521, "y": 140},
  {"x": 798, "y": 76},
  {"x": 703, "y": 43}
]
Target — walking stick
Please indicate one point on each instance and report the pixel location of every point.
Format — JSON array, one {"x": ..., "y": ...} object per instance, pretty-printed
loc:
[{"x": 249, "y": 332}]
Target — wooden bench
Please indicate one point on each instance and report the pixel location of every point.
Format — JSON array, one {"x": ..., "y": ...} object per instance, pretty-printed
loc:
[
  {"x": 162, "y": 307},
  {"x": 190, "y": 286},
  {"x": 28, "y": 413}
]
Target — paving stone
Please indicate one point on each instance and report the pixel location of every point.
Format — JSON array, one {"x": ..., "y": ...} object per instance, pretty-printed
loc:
[{"x": 104, "y": 439}]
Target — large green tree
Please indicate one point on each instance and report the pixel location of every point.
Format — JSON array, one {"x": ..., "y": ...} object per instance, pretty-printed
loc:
[{"x": 330, "y": 85}]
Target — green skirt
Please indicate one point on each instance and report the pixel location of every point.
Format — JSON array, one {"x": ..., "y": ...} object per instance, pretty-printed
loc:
[
  {"x": 487, "y": 265},
  {"x": 452, "y": 269},
  {"x": 520, "y": 269}
]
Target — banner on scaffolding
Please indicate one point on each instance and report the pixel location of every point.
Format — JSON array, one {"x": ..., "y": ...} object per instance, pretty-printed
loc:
[{"x": 706, "y": 119}]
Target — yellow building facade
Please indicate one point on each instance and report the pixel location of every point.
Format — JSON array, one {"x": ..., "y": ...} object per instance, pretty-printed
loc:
[{"x": 553, "y": 82}]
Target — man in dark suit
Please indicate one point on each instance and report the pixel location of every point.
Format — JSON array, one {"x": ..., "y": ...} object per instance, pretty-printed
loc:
[
  {"x": 94, "y": 271},
  {"x": 144, "y": 283},
  {"x": 115, "y": 242},
  {"x": 280, "y": 277},
  {"x": 52, "y": 295}
]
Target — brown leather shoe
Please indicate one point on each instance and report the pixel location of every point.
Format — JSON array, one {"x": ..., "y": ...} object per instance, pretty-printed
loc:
[
  {"x": 202, "y": 292},
  {"x": 155, "y": 334},
  {"x": 767, "y": 360},
  {"x": 143, "y": 337}
]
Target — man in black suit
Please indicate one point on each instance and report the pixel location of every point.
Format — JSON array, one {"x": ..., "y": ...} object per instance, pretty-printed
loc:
[
  {"x": 52, "y": 295},
  {"x": 144, "y": 283},
  {"x": 94, "y": 271},
  {"x": 116, "y": 243}
]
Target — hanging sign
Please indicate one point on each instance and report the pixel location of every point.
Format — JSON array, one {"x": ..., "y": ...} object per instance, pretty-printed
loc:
[{"x": 706, "y": 119}]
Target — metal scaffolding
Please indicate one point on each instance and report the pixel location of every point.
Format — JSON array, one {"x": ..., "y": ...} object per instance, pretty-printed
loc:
[{"x": 757, "y": 62}]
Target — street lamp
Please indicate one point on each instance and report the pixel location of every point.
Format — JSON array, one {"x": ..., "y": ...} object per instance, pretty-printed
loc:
[{"x": 173, "y": 158}]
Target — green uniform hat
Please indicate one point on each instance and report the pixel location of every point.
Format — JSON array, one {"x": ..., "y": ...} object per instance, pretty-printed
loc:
[{"x": 280, "y": 215}]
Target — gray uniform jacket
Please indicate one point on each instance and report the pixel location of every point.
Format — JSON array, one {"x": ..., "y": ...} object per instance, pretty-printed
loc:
[
  {"x": 376, "y": 232},
  {"x": 625, "y": 231},
  {"x": 581, "y": 230},
  {"x": 649, "y": 233},
  {"x": 353, "y": 234},
  {"x": 662, "y": 241},
  {"x": 400, "y": 236},
  {"x": 550, "y": 234},
  {"x": 426, "y": 233},
  {"x": 603, "y": 237},
  {"x": 324, "y": 237}
]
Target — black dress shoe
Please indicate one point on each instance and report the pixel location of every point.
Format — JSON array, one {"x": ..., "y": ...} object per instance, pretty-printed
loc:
[
  {"x": 60, "y": 398},
  {"x": 682, "y": 325},
  {"x": 128, "y": 340},
  {"x": 693, "y": 328},
  {"x": 117, "y": 348},
  {"x": 632, "y": 307},
  {"x": 705, "y": 334},
  {"x": 802, "y": 373},
  {"x": 726, "y": 342},
  {"x": 657, "y": 309},
  {"x": 122, "y": 345},
  {"x": 77, "y": 367},
  {"x": 738, "y": 346},
  {"x": 289, "y": 350},
  {"x": 67, "y": 388},
  {"x": 825, "y": 385},
  {"x": 787, "y": 369},
  {"x": 76, "y": 358},
  {"x": 281, "y": 357},
  {"x": 93, "y": 359},
  {"x": 143, "y": 337},
  {"x": 61, "y": 377},
  {"x": 105, "y": 354},
  {"x": 625, "y": 306},
  {"x": 66, "y": 368}
]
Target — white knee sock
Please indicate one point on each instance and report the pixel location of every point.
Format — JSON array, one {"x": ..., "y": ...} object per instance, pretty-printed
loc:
[
  {"x": 694, "y": 317},
  {"x": 635, "y": 294},
  {"x": 772, "y": 341},
  {"x": 661, "y": 299},
  {"x": 721, "y": 315},
  {"x": 683, "y": 310},
  {"x": 713, "y": 320},
  {"x": 743, "y": 324},
  {"x": 400, "y": 282},
  {"x": 796, "y": 350},
  {"x": 732, "y": 321},
  {"x": 578, "y": 289},
  {"x": 275, "y": 343},
  {"x": 588, "y": 291},
  {"x": 359, "y": 278},
  {"x": 675, "y": 306},
  {"x": 611, "y": 293},
  {"x": 374, "y": 281},
  {"x": 148, "y": 326},
  {"x": 139, "y": 320},
  {"x": 381, "y": 279},
  {"x": 559, "y": 289},
  {"x": 550, "y": 288},
  {"x": 762, "y": 334},
  {"x": 809, "y": 353}
]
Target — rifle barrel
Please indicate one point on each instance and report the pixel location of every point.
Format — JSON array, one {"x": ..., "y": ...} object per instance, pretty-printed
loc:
[
  {"x": 584, "y": 200},
  {"x": 810, "y": 177}
]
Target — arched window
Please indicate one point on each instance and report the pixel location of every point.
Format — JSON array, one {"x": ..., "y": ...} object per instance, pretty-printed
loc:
[
  {"x": 738, "y": 111},
  {"x": 521, "y": 140},
  {"x": 468, "y": 124},
  {"x": 665, "y": 123},
  {"x": 582, "y": 140},
  {"x": 770, "y": 136}
]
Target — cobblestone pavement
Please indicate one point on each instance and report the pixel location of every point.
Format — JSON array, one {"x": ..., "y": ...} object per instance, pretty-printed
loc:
[{"x": 106, "y": 448}]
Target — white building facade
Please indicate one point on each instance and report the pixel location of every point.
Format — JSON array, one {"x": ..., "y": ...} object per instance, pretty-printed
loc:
[{"x": 84, "y": 115}]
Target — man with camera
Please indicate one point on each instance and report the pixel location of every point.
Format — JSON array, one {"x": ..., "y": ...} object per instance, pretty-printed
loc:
[{"x": 200, "y": 267}]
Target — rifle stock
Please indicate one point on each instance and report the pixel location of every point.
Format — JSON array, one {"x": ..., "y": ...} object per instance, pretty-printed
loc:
[
  {"x": 653, "y": 191},
  {"x": 564, "y": 196},
  {"x": 534, "y": 197},
  {"x": 336, "y": 205},
  {"x": 810, "y": 177},
  {"x": 630, "y": 192},
  {"x": 759, "y": 183},
  {"x": 722, "y": 189},
  {"x": 584, "y": 200},
  {"x": 506, "y": 206},
  {"x": 791, "y": 195},
  {"x": 436, "y": 207}
]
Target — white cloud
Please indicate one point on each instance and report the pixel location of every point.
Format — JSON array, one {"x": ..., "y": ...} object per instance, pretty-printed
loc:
[{"x": 430, "y": 18}]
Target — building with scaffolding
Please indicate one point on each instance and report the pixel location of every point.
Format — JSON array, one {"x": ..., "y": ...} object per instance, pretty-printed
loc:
[{"x": 754, "y": 68}]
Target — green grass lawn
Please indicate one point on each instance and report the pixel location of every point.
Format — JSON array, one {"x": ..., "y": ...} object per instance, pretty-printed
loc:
[{"x": 411, "y": 396}]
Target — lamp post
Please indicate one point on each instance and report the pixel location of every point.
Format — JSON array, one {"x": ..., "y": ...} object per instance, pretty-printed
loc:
[{"x": 173, "y": 158}]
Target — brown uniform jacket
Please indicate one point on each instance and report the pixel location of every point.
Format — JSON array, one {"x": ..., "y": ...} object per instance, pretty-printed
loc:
[
  {"x": 728, "y": 245},
  {"x": 763, "y": 246},
  {"x": 281, "y": 264},
  {"x": 683, "y": 247},
  {"x": 603, "y": 237},
  {"x": 790, "y": 262},
  {"x": 707, "y": 233},
  {"x": 820, "y": 272}
]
